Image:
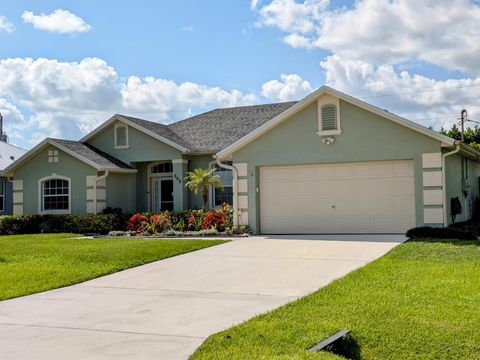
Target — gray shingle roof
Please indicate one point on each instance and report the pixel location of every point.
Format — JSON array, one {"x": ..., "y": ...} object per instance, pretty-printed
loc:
[
  {"x": 217, "y": 129},
  {"x": 214, "y": 130},
  {"x": 159, "y": 129},
  {"x": 93, "y": 154}
]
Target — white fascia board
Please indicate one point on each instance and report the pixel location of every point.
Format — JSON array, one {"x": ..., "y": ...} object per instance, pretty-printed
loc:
[
  {"x": 229, "y": 150},
  {"x": 99, "y": 128},
  {"x": 469, "y": 151},
  {"x": 120, "y": 170}
]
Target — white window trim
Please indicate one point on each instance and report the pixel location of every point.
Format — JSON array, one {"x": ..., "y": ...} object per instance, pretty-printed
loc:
[
  {"x": 150, "y": 194},
  {"x": 40, "y": 196},
  {"x": 116, "y": 126},
  {"x": 329, "y": 100},
  {"x": 211, "y": 192},
  {"x": 4, "y": 186}
]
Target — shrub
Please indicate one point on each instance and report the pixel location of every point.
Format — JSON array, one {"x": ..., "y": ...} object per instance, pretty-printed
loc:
[
  {"x": 440, "y": 233},
  {"x": 79, "y": 224},
  {"x": 472, "y": 226},
  {"x": 16, "y": 225},
  {"x": 181, "y": 221}
]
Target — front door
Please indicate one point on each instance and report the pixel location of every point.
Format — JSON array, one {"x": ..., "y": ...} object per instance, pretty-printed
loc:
[{"x": 162, "y": 198}]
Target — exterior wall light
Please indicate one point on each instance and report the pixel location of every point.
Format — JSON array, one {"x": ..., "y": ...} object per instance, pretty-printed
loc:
[{"x": 328, "y": 140}]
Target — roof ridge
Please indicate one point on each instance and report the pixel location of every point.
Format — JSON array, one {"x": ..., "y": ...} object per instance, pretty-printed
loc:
[
  {"x": 229, "y": 108},
  {"x": 149, "y": 121}
]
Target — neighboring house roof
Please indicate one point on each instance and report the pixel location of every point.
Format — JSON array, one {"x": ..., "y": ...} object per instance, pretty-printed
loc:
[
  {"x": 214, "y": 130},
  {"x": 84, "y": 152},
  {"x": 309, "y": 99},
  {"x": 9, "y": 153}
]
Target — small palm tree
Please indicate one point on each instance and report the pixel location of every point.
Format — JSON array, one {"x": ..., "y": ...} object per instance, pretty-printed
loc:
[{"x": 200, "y": 180}]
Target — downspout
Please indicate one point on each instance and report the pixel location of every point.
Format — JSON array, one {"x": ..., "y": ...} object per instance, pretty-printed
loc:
[
  {"x": 98, "y": 178},
  {"x": 234, "y": 186},
  {"x": 444, "y": 187}
]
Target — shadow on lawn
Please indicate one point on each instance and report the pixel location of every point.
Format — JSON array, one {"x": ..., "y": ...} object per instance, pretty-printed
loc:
[{"x": 346, "y": 347}]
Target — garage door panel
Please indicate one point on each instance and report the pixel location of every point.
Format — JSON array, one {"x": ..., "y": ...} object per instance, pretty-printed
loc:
[
  {"x": 403, "y": 206},
  {"x": 337, "y": 198},
  {"x": 403, "y": 186}
]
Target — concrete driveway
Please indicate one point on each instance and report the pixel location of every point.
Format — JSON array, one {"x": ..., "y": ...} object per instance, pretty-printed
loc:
[{"x": 166, "y": 309}]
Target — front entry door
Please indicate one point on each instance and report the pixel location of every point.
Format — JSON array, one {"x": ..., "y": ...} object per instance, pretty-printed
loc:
[{"x": 162, "y": 194}]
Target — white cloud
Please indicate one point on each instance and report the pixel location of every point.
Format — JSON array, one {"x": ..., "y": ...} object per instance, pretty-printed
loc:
[
  {"x": 187, "y": 28},
  {"x": 289, "y": 87},
  {"x": 166, "y": 96},
  {"x": 254, "y": 3},
  {"x": 60, "y": 21},
  {"x": 68, "y": 99},
  {"x": 443, "y": 32},
  {"x": 419, "y": 98},
  {"x": 11, "y": 113},
  {"x": 291, "y": 16},
  {"x": 6, "y": 25}
]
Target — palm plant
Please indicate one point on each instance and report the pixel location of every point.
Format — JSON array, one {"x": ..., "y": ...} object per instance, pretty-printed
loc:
[{"x": 200, "y": 180}]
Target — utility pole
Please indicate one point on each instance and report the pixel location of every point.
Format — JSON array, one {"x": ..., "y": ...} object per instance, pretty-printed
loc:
[{"x": 463, "y": 118}]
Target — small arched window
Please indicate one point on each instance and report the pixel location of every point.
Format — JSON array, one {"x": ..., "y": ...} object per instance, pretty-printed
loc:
[
  {"x": 329, "y": 117},
  {"x": 162, "y": 168},
  {"x": 55, "y": 195},
  {"x": 121, "y": 136}
]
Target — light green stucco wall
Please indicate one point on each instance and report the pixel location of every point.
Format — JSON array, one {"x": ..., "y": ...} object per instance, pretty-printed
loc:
[
  {"x": 365, "y": 137},
  {"x": 454, "y": 187},
  {"x": 143, "y": 150},
  {"x": 142, "y": 146},
  {"x": 121, "y": 192},
  {"x": 141, "y": 189},
  {"x": 38, "y": 167}
]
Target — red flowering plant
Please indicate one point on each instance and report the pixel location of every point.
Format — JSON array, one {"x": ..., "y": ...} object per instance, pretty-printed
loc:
[
  {"x": 227, "y": 209},
  {"x": 195, "y": 220},
  {"x": 214, "y": 220},
  {"x": 137, "y": 223},
  {"x": 159, "y": 222},
  {"x": 220, "y": 219}
]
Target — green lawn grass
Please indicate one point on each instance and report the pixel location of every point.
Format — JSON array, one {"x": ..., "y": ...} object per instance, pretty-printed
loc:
[
  {"x": 420, "y": 301},
  {"x": 34, "y": 263}
]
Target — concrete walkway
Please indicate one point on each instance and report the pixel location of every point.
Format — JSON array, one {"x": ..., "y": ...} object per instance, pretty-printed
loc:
[{"x": 166, "y": 309}]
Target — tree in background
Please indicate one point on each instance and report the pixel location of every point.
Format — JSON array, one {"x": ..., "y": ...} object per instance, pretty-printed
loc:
[{"x": 472, "y": 135}]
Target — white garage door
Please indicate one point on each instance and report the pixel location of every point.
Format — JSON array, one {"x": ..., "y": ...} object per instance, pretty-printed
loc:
[{"x": 370, "y": 197}]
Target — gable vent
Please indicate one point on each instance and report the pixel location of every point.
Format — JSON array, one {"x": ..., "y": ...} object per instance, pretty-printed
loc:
[{"x": 329, "y": 117}]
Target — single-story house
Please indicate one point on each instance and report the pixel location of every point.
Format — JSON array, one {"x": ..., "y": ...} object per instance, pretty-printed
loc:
[
  {"x": 328, "y": 163},
  {"x": 8, "y": 154}
]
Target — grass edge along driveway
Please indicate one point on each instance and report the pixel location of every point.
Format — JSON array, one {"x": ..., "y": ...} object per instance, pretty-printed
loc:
[
  {"x": 420, "y": 301},
  {"x": 34, "y": 263}
]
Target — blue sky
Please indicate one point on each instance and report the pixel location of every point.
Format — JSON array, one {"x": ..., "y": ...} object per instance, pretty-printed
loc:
[
  {"x": 210, "y": 42},
  {"x": 166, "y": 60}
]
